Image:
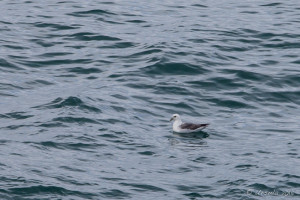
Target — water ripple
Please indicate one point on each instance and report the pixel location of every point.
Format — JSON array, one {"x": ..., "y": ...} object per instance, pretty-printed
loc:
[
  {"x": 87, "y": 90},
  {"x": 87, "y": 36}
]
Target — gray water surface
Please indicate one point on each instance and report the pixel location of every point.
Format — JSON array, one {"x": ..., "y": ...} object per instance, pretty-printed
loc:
[{"x": 87, "y": 90}]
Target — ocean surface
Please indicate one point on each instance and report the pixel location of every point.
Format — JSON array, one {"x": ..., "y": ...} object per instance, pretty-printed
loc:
[{"x": 87, "y": 89}]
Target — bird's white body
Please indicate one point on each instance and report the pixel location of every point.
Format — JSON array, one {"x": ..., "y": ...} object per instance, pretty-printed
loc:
[
  {"x": 180, "y": 127},
  {"x": 176, "y": 125}
]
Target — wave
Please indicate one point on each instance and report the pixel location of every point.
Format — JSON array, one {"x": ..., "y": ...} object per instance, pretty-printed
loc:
[
  {"x": 68, "y": 102},
  {"x": 47, "y": 191},
  {"x": 91, "y": 12},
  {"x": 87, "y": 36},
  {"x": 162, "y": 68}
]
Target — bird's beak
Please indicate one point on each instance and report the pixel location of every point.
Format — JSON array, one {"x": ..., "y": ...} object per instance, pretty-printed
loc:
[{"x": 171, "y": 119}]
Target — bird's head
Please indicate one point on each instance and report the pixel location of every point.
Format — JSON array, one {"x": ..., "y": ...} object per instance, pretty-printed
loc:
[{"x": 175, "y": 117}]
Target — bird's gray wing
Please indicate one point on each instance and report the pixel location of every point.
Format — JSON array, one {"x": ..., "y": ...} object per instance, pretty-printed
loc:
[{"x": 191, "y": 126}]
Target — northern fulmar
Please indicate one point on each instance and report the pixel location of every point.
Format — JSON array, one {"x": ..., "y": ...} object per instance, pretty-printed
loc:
[{"x": 180, "y": 127}]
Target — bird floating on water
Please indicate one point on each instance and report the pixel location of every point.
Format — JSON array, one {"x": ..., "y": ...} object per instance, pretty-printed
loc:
[{"x": 180, "y": 127}]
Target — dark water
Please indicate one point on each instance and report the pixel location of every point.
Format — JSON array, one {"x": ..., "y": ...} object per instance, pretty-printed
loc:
[{"x": 87, "y": 89}]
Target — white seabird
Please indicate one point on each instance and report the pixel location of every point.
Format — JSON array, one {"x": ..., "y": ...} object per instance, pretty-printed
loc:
[{"x": 180, "y": 127}]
